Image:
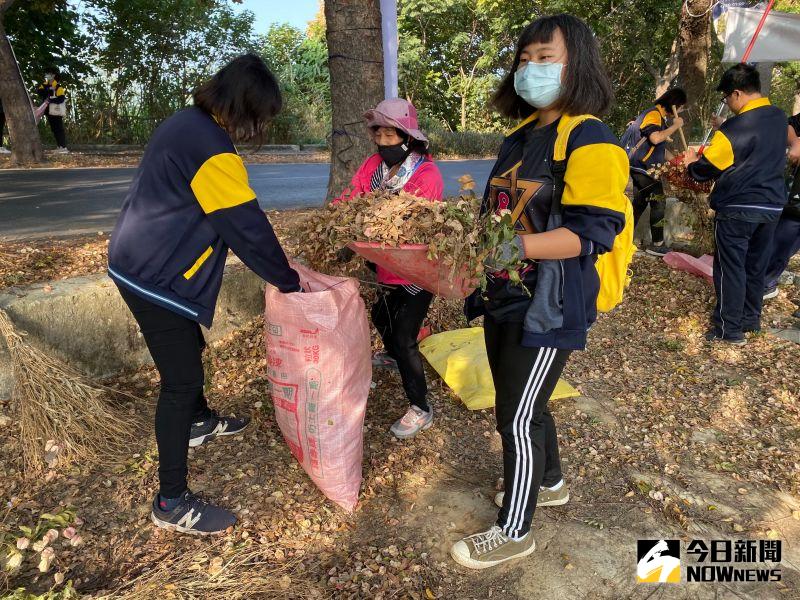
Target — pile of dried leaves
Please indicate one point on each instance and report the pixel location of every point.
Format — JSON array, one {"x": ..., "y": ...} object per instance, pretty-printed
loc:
[
  {"x": 456, "y": 234},
  {"x": 23, "y": 263}
]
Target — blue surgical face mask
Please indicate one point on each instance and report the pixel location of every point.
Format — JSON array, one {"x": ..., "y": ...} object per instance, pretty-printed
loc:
[{"x": 539, "y": 84}]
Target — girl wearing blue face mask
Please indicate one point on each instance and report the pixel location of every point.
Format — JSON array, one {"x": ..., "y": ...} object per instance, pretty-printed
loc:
[{"x": 569, "y": 211}]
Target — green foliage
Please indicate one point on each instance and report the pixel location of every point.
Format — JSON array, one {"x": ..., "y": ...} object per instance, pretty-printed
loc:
[
  {"x": 464, "y": 143},
  {"x": 300, "y": 61},
  {"x": 48, "y": 33},
  {"x": 453, "y": 53},
  {"x": 150, "y": 55}
]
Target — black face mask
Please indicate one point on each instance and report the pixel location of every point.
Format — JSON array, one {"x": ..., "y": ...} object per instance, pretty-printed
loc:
[{"x": 394, "y": 155}]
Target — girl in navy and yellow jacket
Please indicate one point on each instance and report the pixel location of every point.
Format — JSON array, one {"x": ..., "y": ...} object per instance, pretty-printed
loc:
[
  {"x": 557, "y": 77},
  {"x": 190, "y": 202},
  {"x": 55, "y": 94},
  {"x": 649, "y": 152}
]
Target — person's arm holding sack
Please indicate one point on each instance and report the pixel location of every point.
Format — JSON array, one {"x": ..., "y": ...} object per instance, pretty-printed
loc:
[{"x": 223, "y": 191}]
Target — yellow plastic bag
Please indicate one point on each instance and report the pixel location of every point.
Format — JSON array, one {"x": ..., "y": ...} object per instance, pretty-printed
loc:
[{"x": 460, "y": 358}]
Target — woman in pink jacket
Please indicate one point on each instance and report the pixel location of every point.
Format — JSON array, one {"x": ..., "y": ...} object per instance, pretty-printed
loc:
[{"x": 402, "y": 163}]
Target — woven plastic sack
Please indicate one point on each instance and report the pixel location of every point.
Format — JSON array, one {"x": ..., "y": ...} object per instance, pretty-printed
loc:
[
  {"x": 319, "y": 370},
  {"x": 411, "y": 262},
  {"x": 702, "y": 267},
  {"x": 460, "y": 359}
]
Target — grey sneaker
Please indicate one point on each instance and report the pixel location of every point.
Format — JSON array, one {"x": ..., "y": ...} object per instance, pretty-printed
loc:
[
  {"x": 490, "y": 548},
  {"x": 4, "y": 150},
  {"x": 61, "y": 150},
  {"x": 414, "y": 421},
  {"x": 546, "y": 497}
]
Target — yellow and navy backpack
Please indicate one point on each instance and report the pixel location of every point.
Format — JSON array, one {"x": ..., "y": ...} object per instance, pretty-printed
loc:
[{"x": 613, "y": 266}]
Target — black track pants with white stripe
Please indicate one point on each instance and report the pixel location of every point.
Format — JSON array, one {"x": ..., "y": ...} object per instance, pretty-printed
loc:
[{"x": 524, "y": 379}]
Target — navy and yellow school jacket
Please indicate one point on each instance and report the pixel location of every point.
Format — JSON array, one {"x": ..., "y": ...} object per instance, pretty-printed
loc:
[
  {"x": 648, "y": 155},
  {"x": 52, "y": 91},
  {"x": 188, "y": 203},
  {"x": 593, "y": 205},
  {"x": 747, "y": 158}
]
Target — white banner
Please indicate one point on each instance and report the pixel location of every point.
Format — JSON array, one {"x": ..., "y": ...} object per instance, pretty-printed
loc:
[
  {"x": 778, "y": 41},
  {"x": 390, "y": 44}
]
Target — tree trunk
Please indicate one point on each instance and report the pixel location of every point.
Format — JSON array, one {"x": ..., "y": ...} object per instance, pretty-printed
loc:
[
  {"x": 26, "y": 146},
  {"x": 765, "y": 70},
  {"x": 355, "y": 60},
  {"x": 670, "y": 73},
  {"x": 694, "y": 49}
]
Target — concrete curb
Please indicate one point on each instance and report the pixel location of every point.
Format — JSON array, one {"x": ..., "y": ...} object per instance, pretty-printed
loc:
[
  {"x": 136, "y": 148},
  {"x": 84, "y": 321}
]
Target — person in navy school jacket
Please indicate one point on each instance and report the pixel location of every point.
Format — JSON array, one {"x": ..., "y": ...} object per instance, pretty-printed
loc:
[
  {"x": 190, "y": 202},
  {"x": 746, "y": 158}
]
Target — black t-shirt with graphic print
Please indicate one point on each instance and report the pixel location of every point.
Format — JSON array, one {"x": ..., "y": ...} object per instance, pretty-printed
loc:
[{"x": 530, "y": 166}]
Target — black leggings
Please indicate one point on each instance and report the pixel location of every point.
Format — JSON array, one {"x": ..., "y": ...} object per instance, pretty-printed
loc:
[
  {"x": 644, "y": 188},
  {"x": 524, "y": 379},
  {"x": 176, "y": 345},
  {"x": 57, "y": 126},
  {"x": 398, "y": 315}
]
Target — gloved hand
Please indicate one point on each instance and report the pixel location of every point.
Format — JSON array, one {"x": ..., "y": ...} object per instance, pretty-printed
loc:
[
  {"x": 345, "y": 255},
  {"x": 505, "y": 254}
]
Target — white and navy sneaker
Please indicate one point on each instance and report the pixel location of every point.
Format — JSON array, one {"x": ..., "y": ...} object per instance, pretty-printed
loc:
[
  {"x": 193, "y": 515},
  {"x": 215, "y": 426}
]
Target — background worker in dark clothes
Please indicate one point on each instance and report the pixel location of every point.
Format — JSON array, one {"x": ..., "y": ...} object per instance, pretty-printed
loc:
[
  {"x": 649, "y": 151},
  {"x": 787, "y": 234},
  {"x": 747, "y": 158},
  {"x": 189, "y": 202},
  {"x": 3, "y": 149},
  {"x": 55, "y": 94}
]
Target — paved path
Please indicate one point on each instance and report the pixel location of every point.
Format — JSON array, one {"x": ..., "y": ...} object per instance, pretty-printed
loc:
[{"x": 55, "y": 202}]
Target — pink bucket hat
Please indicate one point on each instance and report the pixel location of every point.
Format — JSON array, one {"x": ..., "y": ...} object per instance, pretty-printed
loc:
[{"x": 396, "y": 112}]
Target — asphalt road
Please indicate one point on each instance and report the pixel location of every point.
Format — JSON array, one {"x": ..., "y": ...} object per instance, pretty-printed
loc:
[{"x": 60, "y": 202}]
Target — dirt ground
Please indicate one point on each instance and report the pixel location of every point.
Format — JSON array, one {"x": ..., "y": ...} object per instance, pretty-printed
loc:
[{"x": 671, "y": 438}]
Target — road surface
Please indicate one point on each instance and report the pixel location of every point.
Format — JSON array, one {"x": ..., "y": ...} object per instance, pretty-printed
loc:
[{"x": 60, "y": 202}]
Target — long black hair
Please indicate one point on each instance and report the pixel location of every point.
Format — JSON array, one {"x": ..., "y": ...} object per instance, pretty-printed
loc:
[
  {"x": 586, "y": 89},
  {"x": 675, "y": 97},
  {"x": 244, "y": 96}
]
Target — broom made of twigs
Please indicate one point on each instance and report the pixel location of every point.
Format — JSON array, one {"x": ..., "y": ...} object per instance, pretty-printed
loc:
[{"x": 63, "y": 416}]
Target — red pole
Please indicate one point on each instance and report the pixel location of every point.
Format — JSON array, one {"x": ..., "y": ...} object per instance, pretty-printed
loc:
[
  {"x": 747, "y": 54},
  {"x": 758, "y": 31}
]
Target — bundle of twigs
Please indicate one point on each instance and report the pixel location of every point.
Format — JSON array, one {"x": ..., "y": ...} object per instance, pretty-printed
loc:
[
  {"x": 677, "y": 174},
  {"x": 63, "y": 416},
  {"x": 233, "y": 574}
]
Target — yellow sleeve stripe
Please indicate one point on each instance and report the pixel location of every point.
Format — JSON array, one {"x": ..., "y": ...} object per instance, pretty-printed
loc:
[
  {"x": 198, "y": 263},
  {"x": 60, "y": 91},
  {"x": 221, "y": 182},
  {"x": 652, "y": 118},
  {"x": 597, "y": 175},
  {"x": 720, "y": 152}
]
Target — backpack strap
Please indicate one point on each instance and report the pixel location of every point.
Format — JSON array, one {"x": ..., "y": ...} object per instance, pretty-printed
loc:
[{"x": 558, "y": 167}]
